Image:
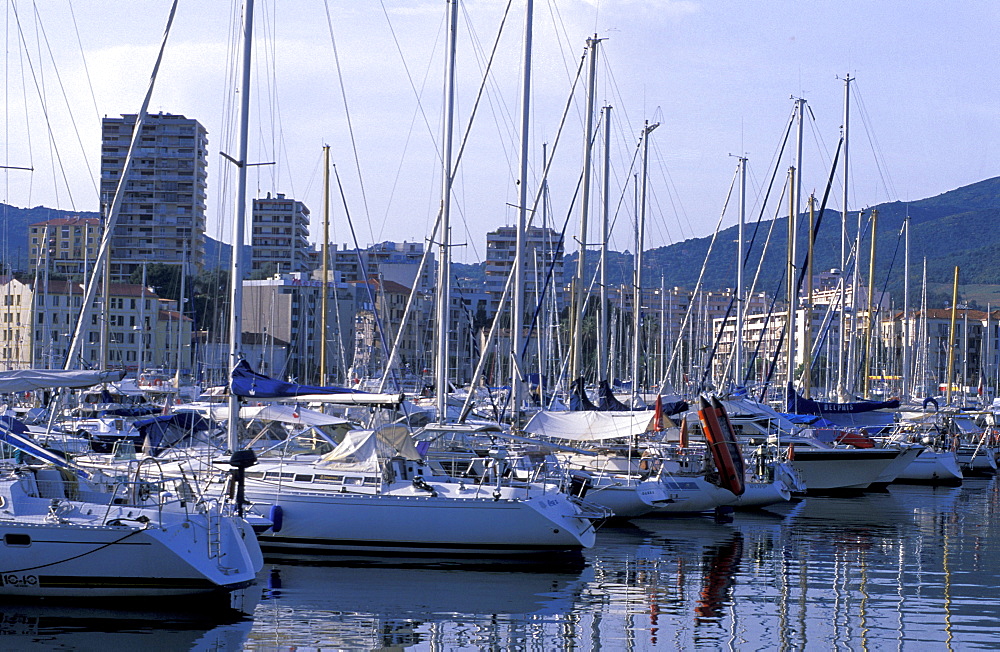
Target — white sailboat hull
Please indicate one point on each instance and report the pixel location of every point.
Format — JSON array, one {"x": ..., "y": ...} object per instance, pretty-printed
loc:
[
  {"x": 407, "y": 521},
  {"x": 692, "y": 495},
  {"x": 839, "y": 469},
  {"x": 760, "y": 494},
  {"x": 980, "y": 460},
  {"x": 627, "y": 498},
  {"x": 65, "y": 547},
  {"x": 898, "y": 465},
  {"x": 932, "y": 466}
]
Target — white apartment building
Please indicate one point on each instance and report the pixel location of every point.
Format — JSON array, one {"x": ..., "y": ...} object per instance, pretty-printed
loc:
[
  {"x": 38, "y": 328},
  {"x": 162, "y": 216},
  {"x": 544, "y": 260},
  {"x": 64, "y": 245},
  {"x": 279, "y": 237}
]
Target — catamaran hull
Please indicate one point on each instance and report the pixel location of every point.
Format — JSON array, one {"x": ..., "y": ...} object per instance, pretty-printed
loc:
[
  {"x": 61, "y": 560},
  {"x": 408, "y": 524}
]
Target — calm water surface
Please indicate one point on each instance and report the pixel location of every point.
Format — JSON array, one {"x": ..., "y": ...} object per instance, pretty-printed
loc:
[{"x": 914, "y": 568}]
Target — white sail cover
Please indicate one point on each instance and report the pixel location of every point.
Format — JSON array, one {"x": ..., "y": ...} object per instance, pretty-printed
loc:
[
  {"x": 358, "y": 452},
  {"x": 361, "y": 450},
  {"x": 588, "y": 425},
  {"x": 29, "y": 380}
]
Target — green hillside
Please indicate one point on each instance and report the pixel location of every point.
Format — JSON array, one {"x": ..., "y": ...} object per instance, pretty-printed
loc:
[{"x": 960, "y": 227}]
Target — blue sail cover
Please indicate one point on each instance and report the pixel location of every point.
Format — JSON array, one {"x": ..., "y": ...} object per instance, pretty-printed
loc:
[
  {"x": 607, "y": 401},
  {"x": 250, "y": 384},
  {"x": 801, "y": 405},
  {"x": 578, "y": 400}
]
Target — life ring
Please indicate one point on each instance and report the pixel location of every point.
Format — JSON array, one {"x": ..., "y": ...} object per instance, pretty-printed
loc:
[{"x": 722, "y": 444}]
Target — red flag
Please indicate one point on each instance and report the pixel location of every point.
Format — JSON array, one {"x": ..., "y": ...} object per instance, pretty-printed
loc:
[
  {"x": 658, "y": 415},
  {"x": 166, "y": 405}
]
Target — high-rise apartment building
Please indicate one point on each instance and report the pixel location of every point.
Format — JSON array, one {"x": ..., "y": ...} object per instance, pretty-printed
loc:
[
  {"x": 162, "y": 215},
  {"x": 280, "y": 235},
  {"x": 544, "y": 262}
]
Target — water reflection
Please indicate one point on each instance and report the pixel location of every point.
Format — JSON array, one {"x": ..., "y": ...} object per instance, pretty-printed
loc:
[
  {"x": 911, "y": 568},
  {"x": 368, "y": 604},
  {"x": 168, "y": 626}
]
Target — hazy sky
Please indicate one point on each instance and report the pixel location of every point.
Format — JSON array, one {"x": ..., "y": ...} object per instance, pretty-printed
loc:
[{"x": 718, "y": 75}]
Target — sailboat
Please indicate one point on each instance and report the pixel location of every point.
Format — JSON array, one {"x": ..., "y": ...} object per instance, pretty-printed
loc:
[
  {"x": 69, "y": 532},
  {"x": 371, "y": 490}
]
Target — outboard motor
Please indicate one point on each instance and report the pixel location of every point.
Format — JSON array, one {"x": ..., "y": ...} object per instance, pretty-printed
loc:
[{"x": 241, "y": 461}]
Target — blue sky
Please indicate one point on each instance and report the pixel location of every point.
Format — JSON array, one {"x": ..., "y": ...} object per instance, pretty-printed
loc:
[{"x": 718, "y": 75}]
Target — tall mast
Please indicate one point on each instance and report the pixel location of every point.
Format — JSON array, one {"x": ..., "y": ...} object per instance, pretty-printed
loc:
[
  {"x": 106, "y": 309},
  {"x": 640, "y": 236},
  {"x": 869, "y": 322},
  {"x": 142, "y": 321},
  {"x": 180, "y": 314},
  {"x": 581, "y": 267},
  {"x": 790, "y": 274},
  {"x": 47, "y": 329},
  {"x": 907, "y": 334},
  {"x": 740, "y": 308},
  {"x": 323, "y": 369},
  {"x": 517, "y": 320},
  {"x": 444, "y": 265},
  {"x": 951, "y": 336},
  {"x": 841, "y": 350},
  {"x": 239, "y": 225},
  {"x": 603, "y": 335},
  {"x": 807, "y": 325},
  {"x": 112, "y": 213},
  {"x": 922, "y": 334},
  {"x": 796, "y": 203}
]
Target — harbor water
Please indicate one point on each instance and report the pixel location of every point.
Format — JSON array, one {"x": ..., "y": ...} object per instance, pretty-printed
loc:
[{"x": 911, "y": 568}]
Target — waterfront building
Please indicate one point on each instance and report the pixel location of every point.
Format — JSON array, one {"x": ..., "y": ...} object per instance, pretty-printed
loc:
[
  {"x": 390, "y": 299},
  {"x": 38, "y": 327},
  {"x": 66, "y": 246},
  {"x": 544, "y": 260},
  {"x": 288, "y": 308},
  {"x": 279, "y": 237},
  {"x": 162, "y": 214},
  {"x": 392, "y": 261}
]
